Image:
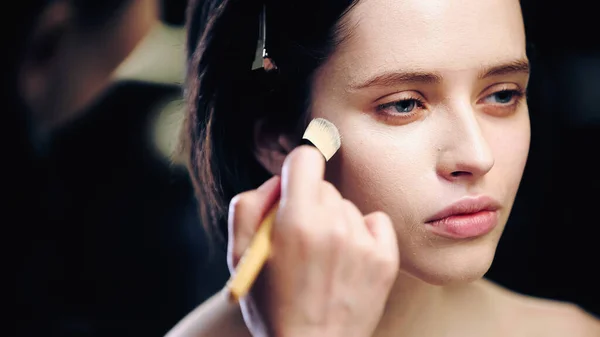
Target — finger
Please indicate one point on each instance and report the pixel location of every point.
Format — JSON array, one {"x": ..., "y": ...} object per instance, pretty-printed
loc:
[
  {"x": 329, "y": 194},
  {"x": 382, "y": 230},
  {"x": 302, "y": 173},
  {"x": 356, "y": 222},
  {"x": 246, "y": 212},
  {"x": 358, "y": 237}
]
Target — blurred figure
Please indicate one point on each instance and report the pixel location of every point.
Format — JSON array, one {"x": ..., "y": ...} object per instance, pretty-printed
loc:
[
  {"x": 99, "y": 217},
  {"x": 72, "y": 48}
]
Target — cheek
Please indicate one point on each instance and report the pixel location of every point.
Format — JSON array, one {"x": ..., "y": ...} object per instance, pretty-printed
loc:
[
  {"x": 383, "y": 169},
  {"x": 510, "y": 145}
]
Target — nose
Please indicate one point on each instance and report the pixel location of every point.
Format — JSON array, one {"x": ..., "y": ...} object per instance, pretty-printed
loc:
[{"x": 465, "y": 153}]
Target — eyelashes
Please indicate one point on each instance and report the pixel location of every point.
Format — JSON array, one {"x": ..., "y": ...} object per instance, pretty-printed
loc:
[
  {"x": 501, "y": 102},
  {"x": 506, "y": 96},
  {"x": 405, "y": 107},
  {"x": 504, "y": 102}
]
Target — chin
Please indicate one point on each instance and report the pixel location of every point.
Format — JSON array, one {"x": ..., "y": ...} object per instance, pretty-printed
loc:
[{"x": 459, "y": 263}]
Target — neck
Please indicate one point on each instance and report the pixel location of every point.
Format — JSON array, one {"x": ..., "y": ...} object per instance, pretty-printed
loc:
[{"x": 416, "y": 308}]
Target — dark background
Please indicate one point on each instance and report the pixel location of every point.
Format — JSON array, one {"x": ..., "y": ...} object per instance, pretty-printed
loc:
[{"x": 550, "y": 246}]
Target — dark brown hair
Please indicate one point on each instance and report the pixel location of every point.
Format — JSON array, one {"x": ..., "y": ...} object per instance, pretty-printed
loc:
[{"x": 225, "y": 98}]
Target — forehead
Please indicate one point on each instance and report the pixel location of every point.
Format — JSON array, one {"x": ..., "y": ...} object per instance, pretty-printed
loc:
[{"x": 442, "y": 35}]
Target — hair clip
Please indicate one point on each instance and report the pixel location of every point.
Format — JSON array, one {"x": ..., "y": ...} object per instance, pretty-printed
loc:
[{"x": 262, "y": 59}]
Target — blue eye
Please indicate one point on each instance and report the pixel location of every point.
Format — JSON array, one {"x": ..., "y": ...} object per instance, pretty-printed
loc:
[
  {"x": 404, "y": 106},
  {"x": 503, "y": 97}
]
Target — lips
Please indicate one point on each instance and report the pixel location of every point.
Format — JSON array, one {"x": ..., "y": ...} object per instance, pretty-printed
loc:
[
  {"x": 467, "y": 206},
  {"x": 467, "y": 218}
]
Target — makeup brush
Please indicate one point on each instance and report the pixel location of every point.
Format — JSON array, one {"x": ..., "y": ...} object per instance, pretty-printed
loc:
[{"x": 321, "y": 134}]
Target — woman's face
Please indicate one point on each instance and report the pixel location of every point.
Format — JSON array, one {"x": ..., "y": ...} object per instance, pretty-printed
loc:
[{"x": 429, "y": 97}]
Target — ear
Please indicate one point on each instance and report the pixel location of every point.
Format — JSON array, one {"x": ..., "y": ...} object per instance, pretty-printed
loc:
[{"x": 271, "y": 146}]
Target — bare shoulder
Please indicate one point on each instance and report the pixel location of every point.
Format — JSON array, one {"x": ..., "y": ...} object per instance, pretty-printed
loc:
[
  {"x": 215, "y": 317},
  {"x": 544, "y": 317},
  {"x": 554, "y": 318}
]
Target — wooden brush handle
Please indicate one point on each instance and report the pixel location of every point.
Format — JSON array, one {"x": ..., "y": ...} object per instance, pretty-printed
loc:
[{"x": 253, "y": 259}]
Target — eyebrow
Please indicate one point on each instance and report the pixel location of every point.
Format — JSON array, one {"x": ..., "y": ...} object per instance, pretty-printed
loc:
[
  {"x": 393, "y": 78},
  {"x": 513, "y": 67}
]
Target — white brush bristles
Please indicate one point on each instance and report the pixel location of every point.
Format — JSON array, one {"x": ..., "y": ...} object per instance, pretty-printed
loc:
[{"x": 324, "y": 135}]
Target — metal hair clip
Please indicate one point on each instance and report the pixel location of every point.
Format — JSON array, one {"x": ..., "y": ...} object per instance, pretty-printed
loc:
[{"x": 262, "y": 59}]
